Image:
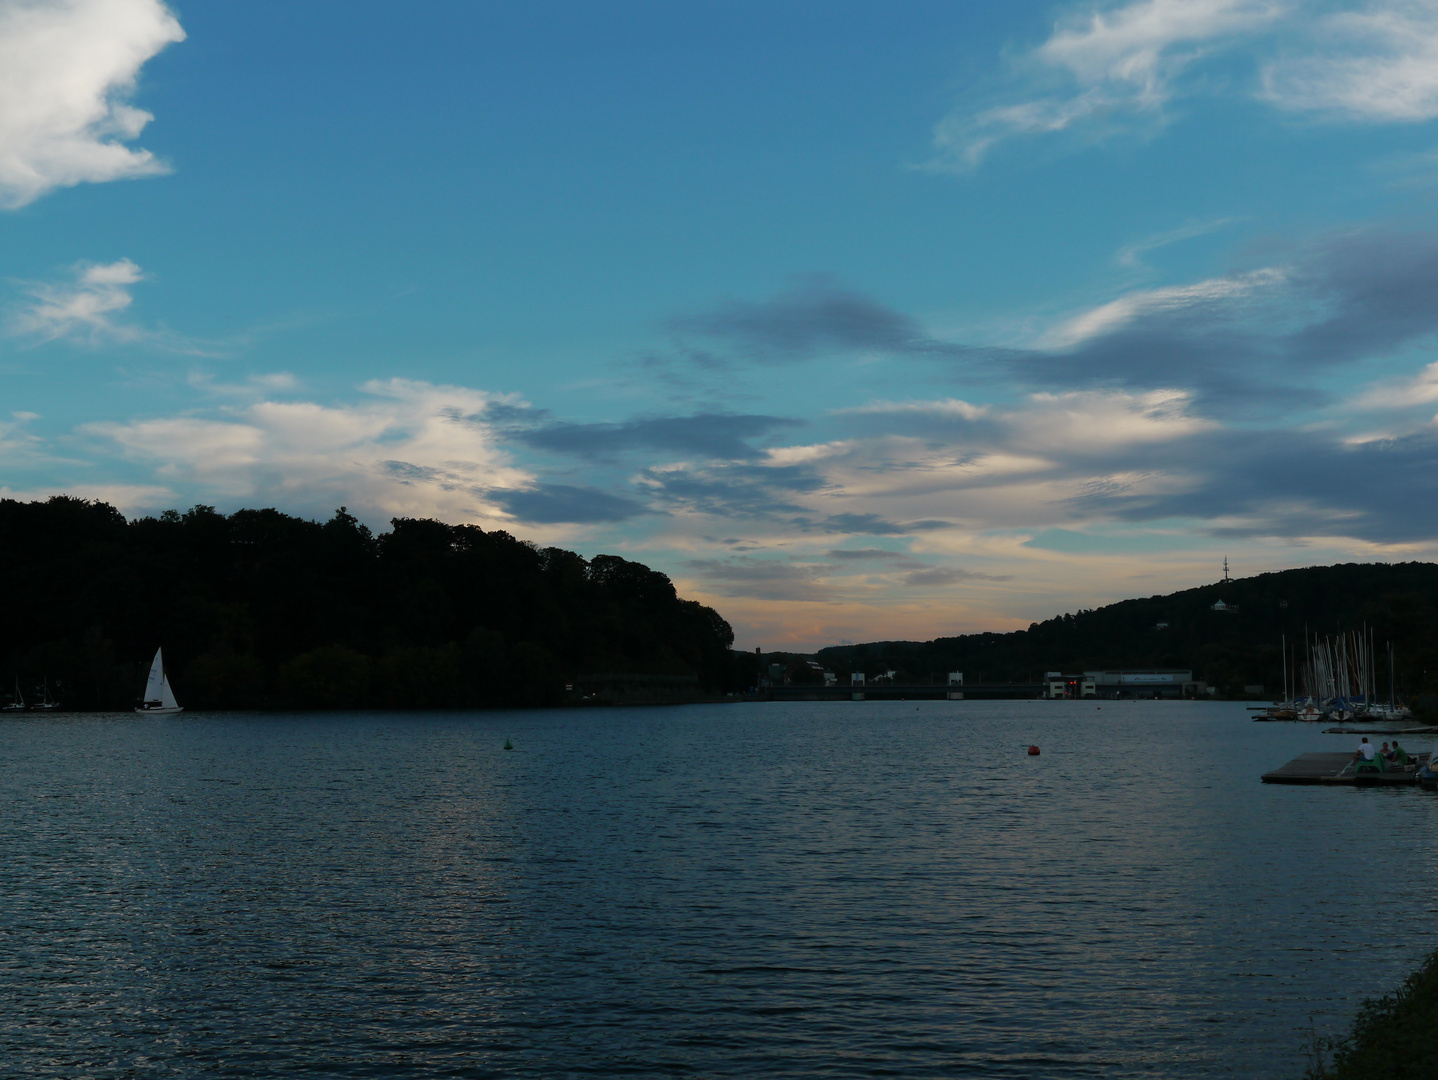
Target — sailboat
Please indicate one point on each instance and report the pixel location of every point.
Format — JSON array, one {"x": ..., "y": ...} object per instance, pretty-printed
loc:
[
  {"x": 18, "y": 705},
  {"x": 159, "y": 698},
  {"x": 46, "y": 702}
]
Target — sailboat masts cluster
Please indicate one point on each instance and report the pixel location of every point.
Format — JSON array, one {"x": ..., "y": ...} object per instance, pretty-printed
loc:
[{"x": 1339, "y": 677}]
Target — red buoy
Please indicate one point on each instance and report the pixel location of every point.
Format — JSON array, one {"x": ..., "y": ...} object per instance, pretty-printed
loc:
[{"x": 1033, "y": 751}]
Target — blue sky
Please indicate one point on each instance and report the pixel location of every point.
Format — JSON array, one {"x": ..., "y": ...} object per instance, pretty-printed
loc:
[{"x": 861, "y": 321}]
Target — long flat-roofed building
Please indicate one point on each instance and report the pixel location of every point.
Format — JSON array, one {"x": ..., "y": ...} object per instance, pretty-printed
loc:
[{"x": 1145, "y": 683}]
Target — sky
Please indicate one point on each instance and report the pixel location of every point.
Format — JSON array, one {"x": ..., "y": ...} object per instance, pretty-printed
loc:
[{"x": 861, "y": 321}]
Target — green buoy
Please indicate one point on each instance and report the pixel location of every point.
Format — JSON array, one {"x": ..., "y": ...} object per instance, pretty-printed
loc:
[{"x": 508, "y": 745}]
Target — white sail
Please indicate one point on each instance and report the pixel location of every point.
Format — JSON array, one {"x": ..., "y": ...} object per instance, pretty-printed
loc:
[
  {"x": 156, "y": 681},
  {"x": 167, "y": 696},
  {"x": 159, "y": 698}
]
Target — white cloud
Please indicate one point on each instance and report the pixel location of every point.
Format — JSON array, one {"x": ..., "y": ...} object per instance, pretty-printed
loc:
[
  {"x": 1022, "y": 464},
  {"x": 1131, "y": 255},
  {"x": 781, "y": 456},
  {"x": 1117, "y": 61},
  {"x": 1105, "y": 69},
  {"x": 1142, "y": 46},
  {"x": 83, "y": 309},
  {"x": 1420, "y": 389},
  {"x": 411, "y": 448},
  {"x": 1086, "y": 421},
  {"x": 1106, "y": 318},
  {"x": 66, "y": 70},
  {"x": 952, "y": 407},
  {"x": 1377, "y": 64}
]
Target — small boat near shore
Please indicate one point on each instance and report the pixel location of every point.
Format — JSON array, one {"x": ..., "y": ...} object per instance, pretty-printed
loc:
[{"x": 40, "y": 700}]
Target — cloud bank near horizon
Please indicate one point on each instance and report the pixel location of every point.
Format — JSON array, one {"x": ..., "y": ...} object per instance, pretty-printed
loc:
[{"x": 1112, "y": 433}]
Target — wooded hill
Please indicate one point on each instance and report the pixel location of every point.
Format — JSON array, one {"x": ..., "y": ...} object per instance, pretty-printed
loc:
[
  {"x": 1226, "y": 648},
  {"x": 259, "y": 609}
]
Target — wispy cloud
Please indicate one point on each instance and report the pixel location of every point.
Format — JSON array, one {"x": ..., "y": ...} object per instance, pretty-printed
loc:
[
  {"x": 874, "y": 525},
  {"x": 1377, "y": 64},
  {"x": 1403, "y": 392},
  {"x": 1294, "y": 484},
  {"x": 1115, "y": 315},
  {"x": 66, "y": 73},
  {"x": 1267, "y": 334},
  {"x": 1114, "y": 67},
  {"x": 82, "y": 309},
  {"x": 89, "y": 307},
  {"x": 1132, "y": 255},
  {"x": 944, "y": 408},
  {"x": 1109, "y": 65}
]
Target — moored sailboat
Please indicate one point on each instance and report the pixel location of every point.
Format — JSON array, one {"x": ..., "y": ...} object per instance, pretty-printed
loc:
[
  {"x": 46, "y": 702},
  {"x": 18, "y": 704},
  {"x": 159, "y": 698}
]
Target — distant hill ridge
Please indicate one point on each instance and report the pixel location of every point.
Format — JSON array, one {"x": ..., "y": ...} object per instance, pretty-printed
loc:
[{"x": 1227, "y": 648}]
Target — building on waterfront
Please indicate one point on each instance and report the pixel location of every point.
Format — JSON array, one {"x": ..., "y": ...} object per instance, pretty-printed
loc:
[
  {"x": 1146, "y": 683},
  {"x": 1124, "y": 683},
  {"x": 1059, "y": 685}
]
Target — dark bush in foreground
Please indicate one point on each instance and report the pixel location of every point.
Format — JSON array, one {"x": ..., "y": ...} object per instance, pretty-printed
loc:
[{"x": 1395, "y": 1037}]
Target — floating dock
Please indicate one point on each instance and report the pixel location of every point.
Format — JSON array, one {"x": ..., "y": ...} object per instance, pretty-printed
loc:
[{"x": 1337, "y": 768}]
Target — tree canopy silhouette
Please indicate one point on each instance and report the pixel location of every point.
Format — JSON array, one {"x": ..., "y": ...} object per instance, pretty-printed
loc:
[{"x": 261, "y": 609}]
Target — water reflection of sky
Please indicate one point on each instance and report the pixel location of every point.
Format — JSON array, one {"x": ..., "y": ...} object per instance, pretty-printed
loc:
[{"x": 818, "y": 889}]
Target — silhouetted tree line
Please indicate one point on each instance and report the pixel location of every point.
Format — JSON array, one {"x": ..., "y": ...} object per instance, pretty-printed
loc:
[
  {"x": 1228, "y": 649},
  {"x": 259, "y": 609}
]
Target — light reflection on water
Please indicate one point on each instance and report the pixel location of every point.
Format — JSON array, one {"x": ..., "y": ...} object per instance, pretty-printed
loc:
[{"x": 838, "y": 889}]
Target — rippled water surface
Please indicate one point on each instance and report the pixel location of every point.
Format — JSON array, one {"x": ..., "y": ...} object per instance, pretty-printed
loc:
[{"x": 837, "y": 889}]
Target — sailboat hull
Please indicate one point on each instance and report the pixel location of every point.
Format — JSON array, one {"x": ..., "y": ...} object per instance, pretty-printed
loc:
[{"x": 160, "y": 710}]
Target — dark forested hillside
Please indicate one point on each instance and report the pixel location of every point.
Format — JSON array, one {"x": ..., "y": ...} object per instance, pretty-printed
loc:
[
  {"x": 1227, "y": 648},
  {"x": 260, "y": 609}
]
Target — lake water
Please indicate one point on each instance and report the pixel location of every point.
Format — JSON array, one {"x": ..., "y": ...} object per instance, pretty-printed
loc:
[{"x": 826, "y": 890}]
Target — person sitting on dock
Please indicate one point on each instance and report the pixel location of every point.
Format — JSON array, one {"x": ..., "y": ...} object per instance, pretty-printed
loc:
[{"x": 1367, "y": 759}]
